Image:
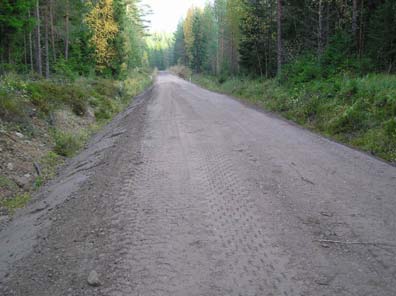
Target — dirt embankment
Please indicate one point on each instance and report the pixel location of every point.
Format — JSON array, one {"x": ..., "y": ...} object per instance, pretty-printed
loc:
[
  {"x": 27, "y": 160},
  {"x": 45, "y": 122}
]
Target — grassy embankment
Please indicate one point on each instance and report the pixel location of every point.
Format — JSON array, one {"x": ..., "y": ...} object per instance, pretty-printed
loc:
[
  {"x": 42, "y": 122},
  {"x": 358, "y": 111}
]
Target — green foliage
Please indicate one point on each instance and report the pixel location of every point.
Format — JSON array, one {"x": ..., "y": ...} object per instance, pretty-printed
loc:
[
  {"x": 47, "y": 95},
  {"x": 13, "y": 98},
  {"x": 160, "y": 50},
  {"x": 179, "y": 52},
  {"x": 16, "y": 202},
  {"x": 106, "y": 109},
  {"x": 382, "y": 36},
  {"x": 136, "y": 83},
  {"x": 19, "y": 98},
  {"x": 13, "y": 21},
  {"x": 181, "y": 71},
  {"x": 257, "y": 27},
  {"x": 64, "y": 69},
  {"x": 49, "y": 162},
  {"x": 9, "y": 106},
  {"x": 304, "y": 69},
  {"x": 68, "y": 144},
  {"x": 83, "y": 36},
  {"x": 7, "y": 183},
  {"x": 109, "y": 97}
]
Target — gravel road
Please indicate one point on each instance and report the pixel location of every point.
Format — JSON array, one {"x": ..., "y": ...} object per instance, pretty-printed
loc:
[{"x": 189, "y": 193}]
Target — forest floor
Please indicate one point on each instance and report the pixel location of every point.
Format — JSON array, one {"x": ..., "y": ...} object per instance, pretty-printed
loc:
[{"x": 189, "y": 192}]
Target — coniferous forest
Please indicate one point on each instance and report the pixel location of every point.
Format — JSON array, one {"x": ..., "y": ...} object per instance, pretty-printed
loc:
[
  {"x": 50, "y": 36},
  {"x": 66, "y": 68},
  {"x": 261, "y": 37}
]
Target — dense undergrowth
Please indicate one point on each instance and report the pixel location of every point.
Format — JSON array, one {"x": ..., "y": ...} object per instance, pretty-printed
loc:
[
  {"x": 357, "y": 110},
  {"x": 22, "y": 98},
  {"x": 28, "y": 105}
]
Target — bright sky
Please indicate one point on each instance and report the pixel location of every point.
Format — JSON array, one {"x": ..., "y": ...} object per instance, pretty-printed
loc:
[{"x": 167, "y": 13}]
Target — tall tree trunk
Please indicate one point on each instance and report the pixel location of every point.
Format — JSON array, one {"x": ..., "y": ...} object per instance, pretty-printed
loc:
[
  {"x": 38, "y": 40},
  {"x": 52, "y": 30},
  {"x": 279, "y": 36},
  {"x": 320, "y": 28},
  {"x": 9, "y": 52},
  {"x": 25, "y": 50},
  {"x": 354, "y": 18},
  {"x": 30, "y": 48},
  {"x": 326, "y": 39},
  {"x": 270, "y": 45},
  {"x": 46, "y": 33},
  {"x": 218, "y": 55},
  {"x": 222, "y": 49},
  {"x": 258, "y": 60},
  {"x": 361, "y": 29},
  {"x": 67, "y": 30}
]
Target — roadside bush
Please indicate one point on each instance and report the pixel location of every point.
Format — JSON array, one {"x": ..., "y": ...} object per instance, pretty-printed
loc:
[
  {"x": 135, "y": 84},
  {"x": 107, "y": 87},
  {"x": 107, "y": 108},
  {"x": 10, "y": 106},
  {"x": 13, "y": 99},
  {"x": 181, "y": 71},
  {"x": 67, "y": 144},
  {"x": 7, "y": 183},
  {"x": 16, "y": 202},
  {"x": 76, "y": 98},
  {"x": 64, "y": 70},
  {"x": 303, "y": 69},
  {"x": 47, "y": 95}
]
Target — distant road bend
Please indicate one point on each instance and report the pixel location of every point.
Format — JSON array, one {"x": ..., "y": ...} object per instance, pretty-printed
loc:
[{"x": 192, "y": 193}]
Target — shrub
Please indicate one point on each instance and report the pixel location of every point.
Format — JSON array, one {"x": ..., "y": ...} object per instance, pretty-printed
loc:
[
  {"x": 76, "y": 98},
  {"x": 107, "y": 88},
  {"x": 64, "y": 69},
  {"x": 12, "y": 204},
  {"x": 67, "y": 144},
  {"x": 106, "y": 108},
  {"x": 10, "y": 106},
  {"x": 7, "y": 183},
  {"x": 303, "y": 69},
  {"x": 181, "y": 71},
  {"x": 47, "y": 95},
  {"x": 13, "y": 99}
]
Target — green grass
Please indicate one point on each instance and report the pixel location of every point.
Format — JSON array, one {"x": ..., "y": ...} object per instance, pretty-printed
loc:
[
  {"x": 16, "y": 202},
  {"x": 48, "y": 164},
  {"x": 20, "y": 95},
  {"x": 360, "y": 111},
  {"x": 7, "y": 183},
  {"x": 68, "y": 144}
]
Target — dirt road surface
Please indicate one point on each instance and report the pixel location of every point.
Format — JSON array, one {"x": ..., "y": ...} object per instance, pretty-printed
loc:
[{"x": 190, "y": 192}]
